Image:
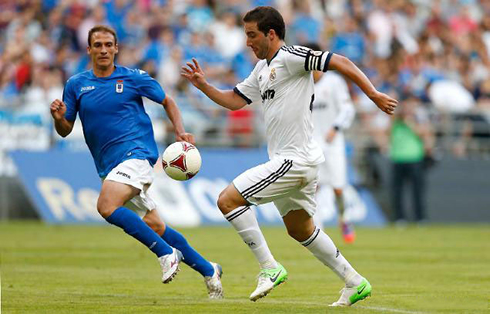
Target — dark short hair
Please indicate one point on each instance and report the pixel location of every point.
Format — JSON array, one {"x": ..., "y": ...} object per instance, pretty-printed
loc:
[
  {"x": 101, "y": 28},
  {"x": 313, "y": 46},
  {"x": 267, "y": 18}
]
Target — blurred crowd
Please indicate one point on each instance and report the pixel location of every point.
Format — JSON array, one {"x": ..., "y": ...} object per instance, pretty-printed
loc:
[{"x": 436, "y": 52}]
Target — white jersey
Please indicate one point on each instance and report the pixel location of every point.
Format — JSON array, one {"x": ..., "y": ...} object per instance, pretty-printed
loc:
[
  {"x": 332, "y": 107},
  {"x": 284, "y": 86}
]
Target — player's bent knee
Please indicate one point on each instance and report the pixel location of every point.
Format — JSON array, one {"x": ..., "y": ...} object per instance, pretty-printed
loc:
[
  {"x": 105, "y": 208},
  {"x": 224, "y": 203},
  {"x": 105, "y": 211}
]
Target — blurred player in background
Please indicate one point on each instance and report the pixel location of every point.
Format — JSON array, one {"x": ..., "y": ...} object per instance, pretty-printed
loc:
[
  {"x": 333, "y": 112},
  {"x": 282, "y": 82},
  {"x": 119, "y": 134}
]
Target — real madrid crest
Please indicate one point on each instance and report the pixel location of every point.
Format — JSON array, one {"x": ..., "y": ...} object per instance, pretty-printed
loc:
[
  {"x": 119, "y": 86},
  {"x": 272, "y": 76}
]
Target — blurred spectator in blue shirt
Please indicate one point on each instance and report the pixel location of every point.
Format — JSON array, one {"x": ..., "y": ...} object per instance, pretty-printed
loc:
[
  {"x": 304, "y": 28},
  {"x": 349, "y": 41},
  {"x": 200, "y": 16}
]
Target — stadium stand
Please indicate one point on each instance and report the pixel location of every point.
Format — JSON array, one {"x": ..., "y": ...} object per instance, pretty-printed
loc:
[{"x": 437, "y": 51}]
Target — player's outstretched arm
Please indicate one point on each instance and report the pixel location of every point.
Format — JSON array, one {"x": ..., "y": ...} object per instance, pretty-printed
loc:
[
  {"x": 58, "y": 109},
  {"x": 227, "y": 99},
  {"x": 175, "y": 117},
  {"x": 347, "y": 68}
]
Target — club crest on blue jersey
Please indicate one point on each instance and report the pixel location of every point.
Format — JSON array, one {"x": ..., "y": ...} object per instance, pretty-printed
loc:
[{"x": 119, "y": 86}]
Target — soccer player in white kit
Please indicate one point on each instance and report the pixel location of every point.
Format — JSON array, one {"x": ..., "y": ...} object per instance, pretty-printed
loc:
[
  {"x": 333, "y": 112},
  {"x": 282, "y": 84}
]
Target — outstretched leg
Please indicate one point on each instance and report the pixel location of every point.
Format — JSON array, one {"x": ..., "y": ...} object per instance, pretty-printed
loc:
[
  {"x": 110, "y": 206},
  {"x": 236, "y": 210},
  {"x": 300, "y": 226}
]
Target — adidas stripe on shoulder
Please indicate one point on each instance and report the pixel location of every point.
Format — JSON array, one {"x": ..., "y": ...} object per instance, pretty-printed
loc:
[{"x": 314, "y": 60}]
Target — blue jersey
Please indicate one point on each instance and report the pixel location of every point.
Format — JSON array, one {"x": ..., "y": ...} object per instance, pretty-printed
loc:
[{"x": 115, "y": 124}]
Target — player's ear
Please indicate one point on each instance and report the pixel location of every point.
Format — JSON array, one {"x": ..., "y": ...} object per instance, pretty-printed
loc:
[
  {"x": 88, "y": 50},
  {"x": 271, "y": 33},
  {"x": 117, "y": 48}
]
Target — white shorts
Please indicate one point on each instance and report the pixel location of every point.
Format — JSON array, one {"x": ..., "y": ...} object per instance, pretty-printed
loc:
[
  {"x": 139, "y": 174},
  {"x": 290, "y": 185},
  {"x": 333, "y": 171}
]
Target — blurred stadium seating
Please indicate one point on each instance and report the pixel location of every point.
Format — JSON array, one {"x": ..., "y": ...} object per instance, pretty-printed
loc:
[{"x": 437, "y": 51}]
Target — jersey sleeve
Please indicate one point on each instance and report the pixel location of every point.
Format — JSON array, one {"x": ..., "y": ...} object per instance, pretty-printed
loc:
[
  {"x": 149, "y": 87},
  {"x": 249, "y": 89},
  {"x": 301, "y": 59},
  {"x": 347, "y": 112},
  {"x": 70, "y": 100}
]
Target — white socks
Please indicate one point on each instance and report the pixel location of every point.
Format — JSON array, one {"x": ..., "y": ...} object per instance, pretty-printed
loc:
[
  {"x": 244, "y": 221},
  {"x": 320, "y": 244}
]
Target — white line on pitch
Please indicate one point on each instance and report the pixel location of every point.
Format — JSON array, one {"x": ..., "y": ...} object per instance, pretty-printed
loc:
[{"x": 384, "y": 309}]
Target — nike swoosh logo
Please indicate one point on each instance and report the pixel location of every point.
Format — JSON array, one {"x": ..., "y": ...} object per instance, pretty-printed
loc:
[
  {"x": 273, "y": 279},
  {"x": 360, "y": 291}
]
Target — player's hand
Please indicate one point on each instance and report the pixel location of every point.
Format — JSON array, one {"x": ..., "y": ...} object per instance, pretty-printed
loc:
[
  {"x": 331, "y": 135},
  {"x": 194, "y": 74},
  {"x": 385, "y": 102},
  {"x": 187, "y": 137},
  {"x": 58, "y": 109}
]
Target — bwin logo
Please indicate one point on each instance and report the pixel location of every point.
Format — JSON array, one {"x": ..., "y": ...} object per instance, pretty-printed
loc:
[
  {"x": 124, "y": 174},
  {"x": 268, "y": 94}
]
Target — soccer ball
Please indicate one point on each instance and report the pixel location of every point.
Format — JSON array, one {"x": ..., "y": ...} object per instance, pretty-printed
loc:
[{"x": 181, "y": 161}]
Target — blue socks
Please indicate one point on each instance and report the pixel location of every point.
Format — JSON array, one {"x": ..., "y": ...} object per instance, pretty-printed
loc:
[
  {"x": 138, "y": 229},
  {"x": 191, "y": 257}
]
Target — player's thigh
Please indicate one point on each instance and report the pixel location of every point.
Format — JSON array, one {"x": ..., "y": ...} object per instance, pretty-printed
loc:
[
  {"x": 302, "y": 198},
  {"x": 137, "y": 175},
  {"x": 269, "y": 181},
  {"x": 113, "y": 195}
]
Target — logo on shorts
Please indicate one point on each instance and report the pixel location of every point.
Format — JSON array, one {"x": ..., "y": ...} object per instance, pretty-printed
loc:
[
  {"x": 119, "y": 86},
  {"x": 124, "y": 174}
]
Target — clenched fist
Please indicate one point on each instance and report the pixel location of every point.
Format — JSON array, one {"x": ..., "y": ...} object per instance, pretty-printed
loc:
[{"x": 58, "y": 109}]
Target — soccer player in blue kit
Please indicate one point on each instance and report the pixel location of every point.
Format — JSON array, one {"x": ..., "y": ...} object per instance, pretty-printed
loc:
[{"x": 119, "y": 134}]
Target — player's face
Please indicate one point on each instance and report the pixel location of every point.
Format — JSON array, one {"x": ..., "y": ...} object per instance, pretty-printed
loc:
[
  {"x": 256, "y": 40},
  {"x": 102, "y": 50}
]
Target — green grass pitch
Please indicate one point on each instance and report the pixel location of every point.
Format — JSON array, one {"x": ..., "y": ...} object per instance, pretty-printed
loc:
[{"x": 99, "y": 269}]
